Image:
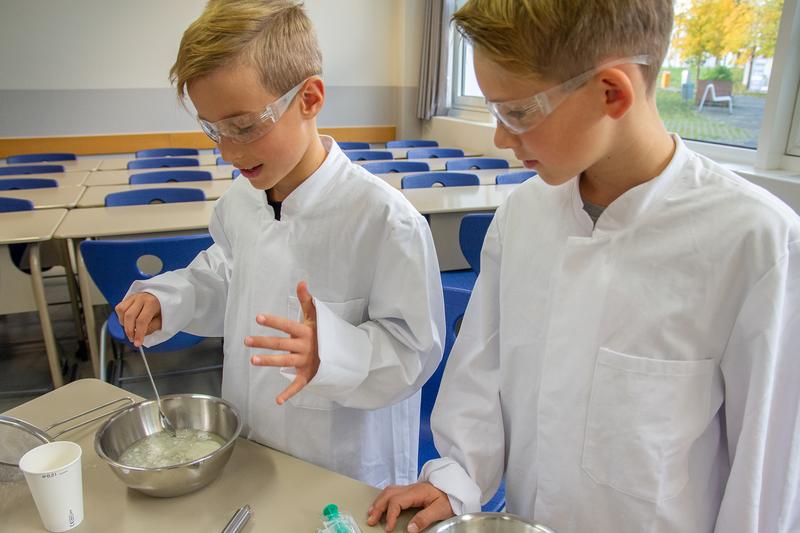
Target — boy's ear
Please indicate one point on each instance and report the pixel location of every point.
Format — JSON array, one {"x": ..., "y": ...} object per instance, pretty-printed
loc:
[
  {"x": 312, "y": 97},
  {"x": 619, "y": 92}
]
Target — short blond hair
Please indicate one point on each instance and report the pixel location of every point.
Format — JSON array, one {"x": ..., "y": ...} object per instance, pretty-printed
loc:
[
  {"x": 275, "y": 36},
  {"x": 558, "y": 39}
]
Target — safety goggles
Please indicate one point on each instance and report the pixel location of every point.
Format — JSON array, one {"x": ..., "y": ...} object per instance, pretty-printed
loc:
[
  {"x": 519, "y": 116},
  {"x": 249, "y": 127}
]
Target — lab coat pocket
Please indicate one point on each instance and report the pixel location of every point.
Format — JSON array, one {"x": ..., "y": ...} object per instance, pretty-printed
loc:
[
  {"x": 351, "y": 311},
  {"x": 642, "y": 419}
]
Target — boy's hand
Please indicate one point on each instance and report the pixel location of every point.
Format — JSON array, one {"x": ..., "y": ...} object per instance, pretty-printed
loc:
[
  {"x": 140, "y": 315},
  {"x": 301, "y": 344},
  {"x": 393, "y": 499}
]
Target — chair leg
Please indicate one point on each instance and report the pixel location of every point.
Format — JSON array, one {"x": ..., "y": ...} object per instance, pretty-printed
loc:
[{"x": 103, "y": 335}]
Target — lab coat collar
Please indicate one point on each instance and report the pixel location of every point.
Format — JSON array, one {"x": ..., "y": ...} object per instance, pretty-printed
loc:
[
  {"x": 314, "y": 187},
  {"x": 635, "y": 203}
]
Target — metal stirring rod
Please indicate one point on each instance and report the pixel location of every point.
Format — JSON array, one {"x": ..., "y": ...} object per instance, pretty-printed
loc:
[{"x": 164, "y": 420}]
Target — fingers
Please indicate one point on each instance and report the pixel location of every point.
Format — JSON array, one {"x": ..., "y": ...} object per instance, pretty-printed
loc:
[
  {"x": 143, "y": 321},
  {"x": 279, "y": 344},
  {"x": 279, "y": 360},
  {"x": 393, "y": 500},
  {"x": 294, "y": 329},
  {"x": 129, "y": 318},
  {"x": 306, "y": 301},
  {"x": 439, "y": 510},
  {"x": 381, "y": 503},
  {"x": 293, "y": 388},
  {"x": 123, "y": 306},
  {"x": 141, "y": 315}
]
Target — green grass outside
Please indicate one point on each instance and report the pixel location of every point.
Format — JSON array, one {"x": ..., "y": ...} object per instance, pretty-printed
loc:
[{"x": 683, "y": 118}]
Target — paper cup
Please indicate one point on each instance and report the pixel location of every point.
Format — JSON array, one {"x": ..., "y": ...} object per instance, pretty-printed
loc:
[{"x": 53, "y": 473}]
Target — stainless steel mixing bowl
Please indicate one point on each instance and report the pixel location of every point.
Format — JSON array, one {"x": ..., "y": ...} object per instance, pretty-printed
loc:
[
  {"x": 195, "y": 411},
  {"x": 488, "y": 523}
]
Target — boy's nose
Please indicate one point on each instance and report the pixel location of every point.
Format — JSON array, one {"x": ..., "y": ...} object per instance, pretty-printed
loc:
[
  {"x": 503, "y": 138},
  {"x": 228, "y": 150}
]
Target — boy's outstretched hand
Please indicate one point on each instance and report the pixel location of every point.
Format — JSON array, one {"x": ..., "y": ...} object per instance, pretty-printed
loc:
[
  {"x": 301, "y": 345},
  {"x": 140, "y": 315},
  {"x": 393, "y": 499}
]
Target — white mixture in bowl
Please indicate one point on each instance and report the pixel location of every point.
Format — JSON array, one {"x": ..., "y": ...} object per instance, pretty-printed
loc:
[{"x": 162, "y": 449}]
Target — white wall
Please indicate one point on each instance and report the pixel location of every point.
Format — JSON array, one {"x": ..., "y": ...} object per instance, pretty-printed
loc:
[{"x": 101, "y": 66}]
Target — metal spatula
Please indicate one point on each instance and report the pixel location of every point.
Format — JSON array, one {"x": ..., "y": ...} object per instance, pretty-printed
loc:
[{"x": 164, "y": 420}]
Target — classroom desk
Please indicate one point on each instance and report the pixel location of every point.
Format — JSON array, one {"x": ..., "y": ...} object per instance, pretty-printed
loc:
[
  {"x": 81, "y": 164},
  {"x": 150, "y": 219},
  {"x": 121, "y": 177},
  {"x": 121, "y": 163},
  {"x": 486, "y": 177},
  {"x": 438, "y": 163},
  {"x": 446, "y": 206},
  {"x": 285, "y": 493},
  {"x": 95, "y": 196},
  {"x": 66, "y": 179},
  {"x": 49, "y": 198},
  {"x": 402, "y": 153},
  {"x": 31, "y": 227}
]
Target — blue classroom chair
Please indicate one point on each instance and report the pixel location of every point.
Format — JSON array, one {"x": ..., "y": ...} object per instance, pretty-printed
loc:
[
  {"x": 353, "y": 145},
  {"x": 154, "y": 196},
  {"x": 471, "y": 235},
  {"x": 31, "y": 169},
  {"x": 514, "y": 177},
  {"x": 235, "y": 173},
  {"x": 221, "y": 161},
  {"x": 8, "y": 205},
  {"x": 382, "y": 167},
  {"x": 476, "y": 163},
  {"x": 166, "y": 152},
  {"x": 169, "y": 176},
  {"x": 163, "y": 162},
  {"x": 412, "y": 143},
  {"x": 10, "y": 184},
  {"x": 40, "y": 158},
  {"x": 217, "y": 151},
  {"x": 367, "y": 155},
  {"x": 426, "y": 153},
  {"x": 113, "y": 265},
  {"x": 455, "y": 305},
  {"x": 445, "y": 179}
]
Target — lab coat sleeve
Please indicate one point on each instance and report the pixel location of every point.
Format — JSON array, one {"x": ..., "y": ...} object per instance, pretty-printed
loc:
[
  {"x": 193, "y": 298},
  {"x": 467, "y": 421},
  {"x": 761, "y": 369},
  {"x": 389, "y": 357}
]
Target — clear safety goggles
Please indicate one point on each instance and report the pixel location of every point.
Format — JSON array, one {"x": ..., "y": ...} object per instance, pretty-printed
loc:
[
  {"x": 519, "y": 116},
  {"x": 249, "y": 127}
]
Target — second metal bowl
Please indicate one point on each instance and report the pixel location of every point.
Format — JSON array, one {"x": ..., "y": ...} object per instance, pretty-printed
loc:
[
  {"x": 195, "y": 411},
  {"x": 488, "y": 523}
]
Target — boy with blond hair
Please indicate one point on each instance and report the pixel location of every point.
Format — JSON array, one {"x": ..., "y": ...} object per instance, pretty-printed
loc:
[
  {"x": 339, "y": 385},
  {"x": 629, "y": 358}
]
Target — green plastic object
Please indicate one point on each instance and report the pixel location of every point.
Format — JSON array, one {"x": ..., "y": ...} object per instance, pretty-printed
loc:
[{"x": 336, "y": 521}]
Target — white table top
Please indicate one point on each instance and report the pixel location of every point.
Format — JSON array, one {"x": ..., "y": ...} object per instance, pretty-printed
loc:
[
  {"x": 121, "y": 163},
  {"x": 437, "y": 200},
  {"x": 121, "y": 177},
  {"x": 438, "y": 163},
  {"x": 29, "y": 226},
  {"x": 84, "y": 164},
  {"x": 285, "y": 494},
  {"x": 486, "y": 177},
  {"x": 52, "y": 197},
  {"x": 402, "y": 153},
  {"x": 135, "y": 220},
  {"x": 95, "y": 196}
]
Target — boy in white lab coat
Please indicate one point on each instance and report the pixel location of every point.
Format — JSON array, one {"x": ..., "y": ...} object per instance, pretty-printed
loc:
[
  {"x": 630, "y": 357},
  {"x": 332, "y": 379}
]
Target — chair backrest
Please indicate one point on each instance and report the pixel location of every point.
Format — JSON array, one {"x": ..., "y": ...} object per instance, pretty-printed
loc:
[
  {"x": 382, "y": 167},
  {"x": 40, "y": 158},
  {"x": 367, "y": 155},
  {"x": 412, "y": 143},
  {"x": 167, "y": 176},
  {"x": 221, "y": 161},
  {"x": 445, "y": 179},
  {"x": 514, "y": 177},
  {"x": 163, "y": 162},
  {"x": 11, "y": 184},
  {"x": 471, "y": 235},
  {"x": 236, "y": 173},
  {"x": 15, "y": 170},
  {"x": 166, "y": 195},
  {"x": 427, "y": 153},
  {"x": 113, "y": 264},
  {"x": 217, "y": 151},
  {"x": 7, "y": 205},
  {"x": 352, "y": 145},
  {"x": 167, "y": 152},
  {"x": 455, "y": 305},
  {"x": 476, "y": 163}
]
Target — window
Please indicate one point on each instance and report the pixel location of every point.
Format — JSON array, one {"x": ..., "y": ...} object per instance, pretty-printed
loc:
[{"x": 738, "y": 58}]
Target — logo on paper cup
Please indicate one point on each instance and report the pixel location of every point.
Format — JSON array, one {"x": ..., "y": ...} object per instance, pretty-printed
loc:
[{"x": 71, "y": 518}]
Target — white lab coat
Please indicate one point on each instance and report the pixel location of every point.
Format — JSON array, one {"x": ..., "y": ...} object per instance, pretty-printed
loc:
[
  {"x": 641, "y": 377},
  {"x": 370, "y": 264}
]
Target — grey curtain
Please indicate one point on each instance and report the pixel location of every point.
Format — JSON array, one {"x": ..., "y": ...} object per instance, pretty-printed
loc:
[{"x": 433, "y": 70}]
